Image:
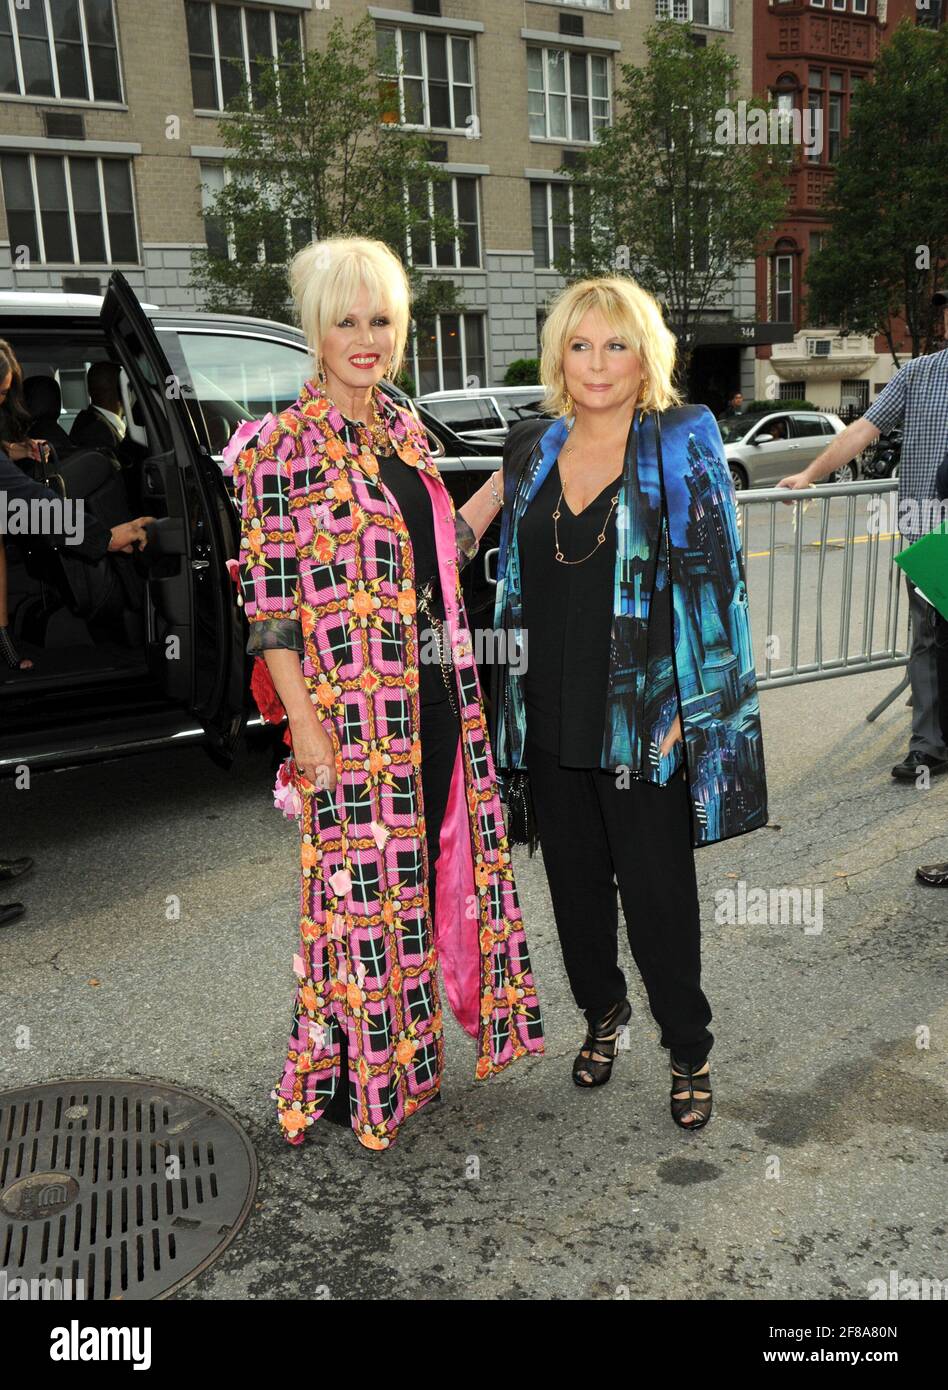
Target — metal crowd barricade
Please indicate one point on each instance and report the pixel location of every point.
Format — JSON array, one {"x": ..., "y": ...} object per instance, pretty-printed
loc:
[{"x": 843, "y": 619}]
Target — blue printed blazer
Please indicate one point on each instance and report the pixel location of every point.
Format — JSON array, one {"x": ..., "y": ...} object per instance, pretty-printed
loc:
[{"x": 676, "y": 522}]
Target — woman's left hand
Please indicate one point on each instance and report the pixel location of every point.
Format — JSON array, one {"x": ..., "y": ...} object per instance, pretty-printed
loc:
[{"x": 671, "y": 738}]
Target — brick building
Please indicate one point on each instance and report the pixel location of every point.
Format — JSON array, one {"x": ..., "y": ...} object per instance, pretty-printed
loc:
[{"x": 810, "y": 55}]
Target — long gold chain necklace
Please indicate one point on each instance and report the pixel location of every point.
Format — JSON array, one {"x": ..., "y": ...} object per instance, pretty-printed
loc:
[{"x": 600, "y": 539}]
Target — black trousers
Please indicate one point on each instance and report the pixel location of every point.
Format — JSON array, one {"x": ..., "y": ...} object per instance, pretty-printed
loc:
[
  {"x": 593, "y": 832},
  {"x": 440, "y": 731}
]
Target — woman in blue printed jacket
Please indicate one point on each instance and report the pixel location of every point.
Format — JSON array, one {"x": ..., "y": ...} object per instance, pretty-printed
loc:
[{"x": 626, "y": 713}]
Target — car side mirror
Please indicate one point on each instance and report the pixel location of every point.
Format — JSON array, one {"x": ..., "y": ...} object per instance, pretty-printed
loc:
[{"x": 763, "y": 439}]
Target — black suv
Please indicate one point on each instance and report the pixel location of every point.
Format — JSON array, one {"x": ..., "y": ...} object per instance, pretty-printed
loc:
[{"x": 154, "y": 654}]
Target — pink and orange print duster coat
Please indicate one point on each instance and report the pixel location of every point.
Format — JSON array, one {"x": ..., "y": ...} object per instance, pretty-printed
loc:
[{"x": 323, "y": 542}]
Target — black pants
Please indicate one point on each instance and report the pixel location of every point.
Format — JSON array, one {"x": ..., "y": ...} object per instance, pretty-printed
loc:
[
  {"x": 593, "y": 832},
  {"x": 440, "y": 731}
]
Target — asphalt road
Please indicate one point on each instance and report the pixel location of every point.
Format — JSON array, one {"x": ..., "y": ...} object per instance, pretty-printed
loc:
[{"x": 820, "y": 1171}]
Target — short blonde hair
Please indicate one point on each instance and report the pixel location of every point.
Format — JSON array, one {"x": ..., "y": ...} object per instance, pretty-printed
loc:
[
  {"x": 633, "y": 314},
  {"x": 325, "y": 277}
]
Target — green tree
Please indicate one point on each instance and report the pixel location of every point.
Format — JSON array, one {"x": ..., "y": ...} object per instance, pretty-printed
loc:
[
  {"x": 887, "y": 208},
  {"x": 316, "y": 152},
  {"x": 668, "y": 193}
]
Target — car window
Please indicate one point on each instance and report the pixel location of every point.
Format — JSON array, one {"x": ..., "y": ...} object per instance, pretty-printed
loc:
[
  {"x": 259, "y": 374},
  {"x": 474, "y": 414},
  {"x": 735, "y": 429},
  {"x": 777, "y": 425},
  {"x": 808, "y": 426},
  {"x": 521, "y": 409}
]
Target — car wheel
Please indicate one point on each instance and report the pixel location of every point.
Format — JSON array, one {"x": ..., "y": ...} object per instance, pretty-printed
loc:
[
  {"x": 848, "y": 473},
  {"x": 738, "y": 477}
]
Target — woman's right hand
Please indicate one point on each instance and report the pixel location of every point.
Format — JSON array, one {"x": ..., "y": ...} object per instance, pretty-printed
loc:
[{"x": 314, "y": 752}]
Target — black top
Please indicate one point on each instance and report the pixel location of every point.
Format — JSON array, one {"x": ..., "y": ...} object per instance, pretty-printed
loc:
[
  {"x": 414, "y": 502},
  {"x": 567, "y": 612}
]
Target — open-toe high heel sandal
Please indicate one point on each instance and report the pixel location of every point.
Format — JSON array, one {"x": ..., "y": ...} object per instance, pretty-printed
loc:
[
  {"x": 690, "y": 1094},
  {"x": 593, "y": 1064}
]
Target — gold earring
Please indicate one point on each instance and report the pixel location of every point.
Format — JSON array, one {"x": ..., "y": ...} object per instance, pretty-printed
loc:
[
  {"x": 643, "y": 390},
  {"x": 320, "y": 373},
  {"x": 569, "y": 404}
]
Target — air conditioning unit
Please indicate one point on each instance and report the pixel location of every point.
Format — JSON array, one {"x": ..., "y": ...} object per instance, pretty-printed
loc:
[{"x": 818, "y": 347}]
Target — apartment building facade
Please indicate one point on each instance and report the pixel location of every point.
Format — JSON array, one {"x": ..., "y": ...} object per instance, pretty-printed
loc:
[
  {"x": 111, "y": 120},
  {"x": 810, "y": 56}
]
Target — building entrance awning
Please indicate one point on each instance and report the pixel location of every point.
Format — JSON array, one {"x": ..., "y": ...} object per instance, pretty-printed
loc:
[{"x": 736, "y": 333}]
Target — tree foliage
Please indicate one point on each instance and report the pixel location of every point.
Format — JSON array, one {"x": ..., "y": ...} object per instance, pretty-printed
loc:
[
  {"x": 662, "y": 195},
  {"x": 887, "y": 207},
  {"x": 314, "y": 151}
]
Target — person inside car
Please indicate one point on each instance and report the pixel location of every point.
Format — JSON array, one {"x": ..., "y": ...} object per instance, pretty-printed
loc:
[
  {"x": 95, "y": 540},
  {"x": 44, "y": 403},
  {"x": 101, "y": 424}
]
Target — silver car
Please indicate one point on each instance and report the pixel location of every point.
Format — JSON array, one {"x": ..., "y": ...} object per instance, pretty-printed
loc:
[{"x": 763, "y": 448}]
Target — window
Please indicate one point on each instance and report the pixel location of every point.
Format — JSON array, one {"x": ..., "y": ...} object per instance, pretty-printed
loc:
[
  {"x": 713, "y": 14},
  {"x": 448, "y": 352},
  {"x": 859, "y": 6},
  {"x": 219, "y": 236},
  {"x": 854, "y": 395},
  {"x": 783, "y": 289},
  {"x": 551, "y": 216},
  {"x": 64, "y": 49},
  {"x": 463, "y": 416},
  {"x": 70, "y": 209},
  {"x": 835, "y": 127},
  {"x": 567, "y": 94},
  {"x": 426, "y": 78},
  {"x": 814, "y": 102},
  {"x": 455, "y": 198},
  {"x": 257, "y": 374},
  {"x": 232, "y": 44},
  {"x": 791, "y": 390},
  {"x": 839, "y": 4},
  {"x": 778, "y": 426},
  {"x": 817, "y": 242}
]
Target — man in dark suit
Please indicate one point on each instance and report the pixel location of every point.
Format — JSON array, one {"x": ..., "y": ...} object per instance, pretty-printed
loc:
[{"x": 101, "y": 424}]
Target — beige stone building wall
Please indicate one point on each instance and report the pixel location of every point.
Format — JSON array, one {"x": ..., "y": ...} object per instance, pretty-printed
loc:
[{"x": 166, "y": 140}]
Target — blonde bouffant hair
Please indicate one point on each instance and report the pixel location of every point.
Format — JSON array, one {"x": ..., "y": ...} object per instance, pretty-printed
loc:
[
  {"x": 634, "y": 316},
  {"x": 325, "y": 278}
]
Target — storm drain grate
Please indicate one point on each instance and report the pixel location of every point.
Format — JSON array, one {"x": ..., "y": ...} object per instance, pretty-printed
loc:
[{"x": 118, "y": 1188}]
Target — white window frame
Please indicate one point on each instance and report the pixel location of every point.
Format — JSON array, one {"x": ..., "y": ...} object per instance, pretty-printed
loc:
[
  {"x": 206, "y": 166},
  {"x": 457, "y": 264},
  {"x": 66, "y": 159},
  {"x": 860, "y": 7},
  {"x": 777, "y": 292},
  {"x": 683, "y": 12},
  {"x": 399, "y": 31},
  {"x": 548, "y": 185},
  {"x": 462, "y": 316},
  {"x": 54, "y": 66},
  {"x": 271, "y": 11},
  {"x": 566, "y": 53}
]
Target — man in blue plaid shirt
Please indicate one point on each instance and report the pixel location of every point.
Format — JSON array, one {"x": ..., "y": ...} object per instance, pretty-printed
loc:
[{"x": 917, "y": 400}]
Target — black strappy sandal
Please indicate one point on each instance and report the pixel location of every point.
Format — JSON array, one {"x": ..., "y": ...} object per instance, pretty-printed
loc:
[
  {"x": 10, "y": 654},
  {"x": 690, "y": 1093},
  {"x": 602, "y": 1039}
]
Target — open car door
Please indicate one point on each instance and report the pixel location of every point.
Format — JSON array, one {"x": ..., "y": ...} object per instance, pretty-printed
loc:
[{"x": 195, "y": 637}]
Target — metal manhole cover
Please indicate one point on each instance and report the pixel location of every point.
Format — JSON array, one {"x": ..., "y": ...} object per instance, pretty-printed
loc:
[{"x": 118, "y": 1188}]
